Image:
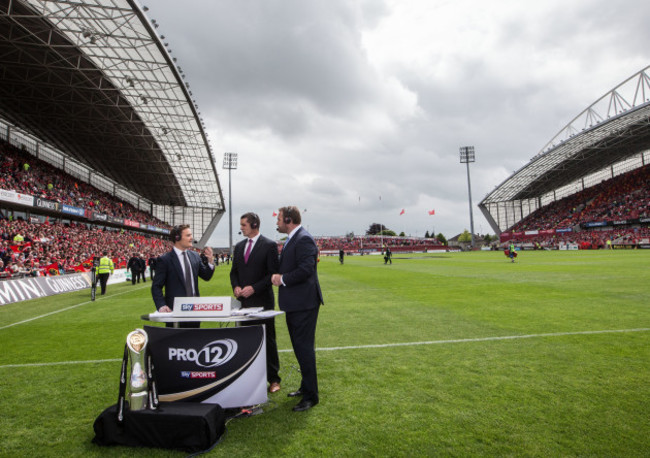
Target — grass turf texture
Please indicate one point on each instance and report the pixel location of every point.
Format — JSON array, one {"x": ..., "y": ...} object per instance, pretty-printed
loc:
[{"x": 454, "y": 392}]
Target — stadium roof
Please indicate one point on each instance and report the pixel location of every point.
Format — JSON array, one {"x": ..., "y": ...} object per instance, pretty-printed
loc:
[
  {"x": 94, "y": 80},
  {"x": 612, "y": 129}
]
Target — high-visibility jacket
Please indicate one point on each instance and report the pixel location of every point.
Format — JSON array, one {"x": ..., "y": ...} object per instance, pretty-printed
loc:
[{"x": 105, "y": 265}]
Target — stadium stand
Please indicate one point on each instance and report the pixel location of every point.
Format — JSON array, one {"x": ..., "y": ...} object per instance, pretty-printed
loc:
[
  {"x": 616, "y": 210},
  {"x": 589, "y": 185},
  {"x": 47, "y": 246},
  {"x": 357, "y": 244},
  {"x": 22, "y": 172},
  {"x": 625, "y": 197},
  {"x": 57, "y": 248}
]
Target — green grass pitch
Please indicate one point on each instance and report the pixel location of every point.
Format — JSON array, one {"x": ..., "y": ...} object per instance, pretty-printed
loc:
[{"x": 440, "y": 354}]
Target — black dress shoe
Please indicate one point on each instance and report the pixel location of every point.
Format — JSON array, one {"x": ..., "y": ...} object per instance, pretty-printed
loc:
[
  {"x": 304, "y": 405},
  {"x": 293, "y": 394}
]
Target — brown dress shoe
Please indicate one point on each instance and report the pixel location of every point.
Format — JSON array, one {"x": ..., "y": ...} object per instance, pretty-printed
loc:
[{"x": 275, "y": 386}]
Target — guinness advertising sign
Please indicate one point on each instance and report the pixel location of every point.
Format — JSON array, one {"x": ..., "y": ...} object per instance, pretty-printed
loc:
[
  {"x": 47, "y": 204},
  {"x": 225, "y": 366}
]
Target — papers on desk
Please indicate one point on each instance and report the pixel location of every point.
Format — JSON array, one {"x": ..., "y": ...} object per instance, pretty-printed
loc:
[
  {"x": 256, "y": 312},
  {"x": 266, "y": 314},
  {"x": 246, "y": 311},
  {"x": 157, "y": 314}
]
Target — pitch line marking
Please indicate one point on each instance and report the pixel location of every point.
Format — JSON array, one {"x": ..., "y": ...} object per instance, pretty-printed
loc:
[
  {"x": 481, "y": 339},
  {"x": 358, "y": 347},
  {"x": 65, "y": 309}
]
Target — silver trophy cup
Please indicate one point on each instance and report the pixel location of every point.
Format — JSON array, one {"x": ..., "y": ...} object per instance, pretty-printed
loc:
[{"x": 137, "y": 341}]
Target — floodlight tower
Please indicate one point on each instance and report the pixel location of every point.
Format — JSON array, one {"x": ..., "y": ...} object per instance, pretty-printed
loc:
[
  {"x": 230, "y": 164},
  {"x": 467, "y": 156}
]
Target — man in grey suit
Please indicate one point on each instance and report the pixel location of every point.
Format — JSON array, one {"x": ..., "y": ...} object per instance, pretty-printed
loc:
[
  {"x": 178, "y": 272},
  {"x": 254, "y": 261},
  {"x": 300, "y": 297}
]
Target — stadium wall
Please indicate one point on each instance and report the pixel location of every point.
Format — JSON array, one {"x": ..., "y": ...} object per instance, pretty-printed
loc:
[{"x": 24, "y": 289}]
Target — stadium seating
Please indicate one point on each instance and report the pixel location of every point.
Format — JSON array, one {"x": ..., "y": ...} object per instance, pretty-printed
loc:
[
  {"x": 623, "y": 197},
  {"x": 374, "y": 243},
  {"x": 22, "y": 172},
  {"x": 615, "y": 210},
  {"x": 54, "y": 249}
]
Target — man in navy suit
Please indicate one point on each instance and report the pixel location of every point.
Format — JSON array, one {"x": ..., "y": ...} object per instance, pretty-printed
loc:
[
  {"x": 300, "y": 297},
  {"x": 255, "y": 260},
  {"x": 178, "y": 270}
]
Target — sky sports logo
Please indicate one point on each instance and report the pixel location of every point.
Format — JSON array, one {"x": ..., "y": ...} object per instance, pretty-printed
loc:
[
  {"x": 215, "y": 307},
  {"x": 198, "y": 374}
]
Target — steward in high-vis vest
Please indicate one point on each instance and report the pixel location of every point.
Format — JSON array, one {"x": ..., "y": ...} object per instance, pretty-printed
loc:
[{"x": 104, "y": 270}]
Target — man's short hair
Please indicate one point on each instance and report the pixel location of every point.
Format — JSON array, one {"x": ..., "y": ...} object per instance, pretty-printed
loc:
[
  {"x": 291, "y": 212},
  {"x": 177, "y": 232},
  {"x": 252, "y": 219}
]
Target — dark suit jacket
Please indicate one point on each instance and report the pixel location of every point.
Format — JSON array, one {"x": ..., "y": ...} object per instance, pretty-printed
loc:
[
  {"x": 298, "y": 266},
  {"x": 169, "y": 275},
  {"x": 262, "y": 264},
  {"x": 136, "y": 264}
]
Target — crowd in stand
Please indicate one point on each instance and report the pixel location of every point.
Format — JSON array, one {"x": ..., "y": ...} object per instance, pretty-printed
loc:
[
  {"x": 52, "y": 249},
  {"x": 55, "y": 248},
  {"x": 24, "y": 173},
  {"x": 623, "y": 197},
  {"x": 590, "y": 239},
  {"x": 374, "y": 242}
]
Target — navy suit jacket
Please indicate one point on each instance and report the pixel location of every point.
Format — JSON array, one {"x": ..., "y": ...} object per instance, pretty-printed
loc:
[
  {"x": 169, "y": 275},
  {"x": 298, "y": 266},
  {"x": 262, "y": 264}
]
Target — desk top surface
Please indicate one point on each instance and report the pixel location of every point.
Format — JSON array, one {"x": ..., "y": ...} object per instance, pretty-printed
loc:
[{"x": 169, "y": 318}]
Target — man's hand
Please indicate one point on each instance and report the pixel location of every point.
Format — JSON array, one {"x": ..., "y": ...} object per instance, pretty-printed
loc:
[
  {"x": 237, "y": 291},
  {"x": 276, "y": 279},
  {"x": 208, "y": 252},
  {"x": 165, "y": 309},
  {"x": 247, "y": 291}
]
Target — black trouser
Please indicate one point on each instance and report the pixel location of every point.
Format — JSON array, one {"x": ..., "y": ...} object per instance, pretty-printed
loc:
[
  {"x": 136, "y": 275},
  {"x": 103, "y": 279},
  {"x": 302, "y": 331}
]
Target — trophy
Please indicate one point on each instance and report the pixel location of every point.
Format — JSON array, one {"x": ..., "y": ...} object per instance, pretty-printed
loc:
[{"x": 136, "y": 342}]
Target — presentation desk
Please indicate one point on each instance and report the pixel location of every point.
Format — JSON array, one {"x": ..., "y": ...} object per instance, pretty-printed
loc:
[
  {"x": 225, "y": 365},
  {"x": 158, "y": 317}
]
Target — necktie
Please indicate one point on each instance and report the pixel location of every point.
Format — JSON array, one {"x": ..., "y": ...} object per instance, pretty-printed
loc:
[
  {"x": 188, "y": 276},
  {"x": 248, "y": 250}
]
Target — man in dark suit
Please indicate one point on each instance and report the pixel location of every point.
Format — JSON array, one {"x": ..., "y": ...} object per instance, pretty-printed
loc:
[
  {"x": 254, "y": 261},
  {"x": 152, "y": 266},
  {"x": 300, "y": 297},
  {"x": 178, "y": 272},
  {"x": 135, "y": 265}
]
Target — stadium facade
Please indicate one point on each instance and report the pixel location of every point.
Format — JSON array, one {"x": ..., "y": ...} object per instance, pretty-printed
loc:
[
  {"x": 90, "y": 88},
  {"x": 609, "y": 138}
]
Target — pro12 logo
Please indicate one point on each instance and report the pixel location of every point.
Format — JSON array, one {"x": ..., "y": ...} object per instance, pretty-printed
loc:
[{"x": 214, "y": 354}]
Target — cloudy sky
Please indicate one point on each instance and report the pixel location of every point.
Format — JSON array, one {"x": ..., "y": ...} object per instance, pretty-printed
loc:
[{"x": 332, "y": 104}]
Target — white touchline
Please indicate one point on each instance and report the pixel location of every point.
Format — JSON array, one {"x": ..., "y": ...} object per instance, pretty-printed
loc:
[{"x": 358, "y": 347}]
